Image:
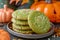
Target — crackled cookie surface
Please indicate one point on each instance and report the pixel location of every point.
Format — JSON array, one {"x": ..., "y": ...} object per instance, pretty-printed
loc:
[
  {"x": 21, "y": 14},
  {"x": 38, "y": 22}
]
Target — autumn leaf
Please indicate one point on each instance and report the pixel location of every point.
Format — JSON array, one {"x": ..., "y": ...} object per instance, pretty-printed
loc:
[
  {"x": 11, "y": 1},
  {"x": 25, "y": 1},
  {"x": 35, "y": 1}
]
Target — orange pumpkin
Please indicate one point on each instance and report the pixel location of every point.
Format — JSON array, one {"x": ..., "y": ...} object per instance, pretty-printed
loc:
[
  {"x": 51, "y": 10},
  {"x": 36, "y": 3},
  {"x": 5, "y": 14},
  {"x": 4, "y": 35}
]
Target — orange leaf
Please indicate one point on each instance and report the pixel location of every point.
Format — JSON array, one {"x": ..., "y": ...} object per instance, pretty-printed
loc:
[
  {"x": 35, "y": 0},
  {"x": 11, "y": 1},
  {"x": 25, "y": 1}
]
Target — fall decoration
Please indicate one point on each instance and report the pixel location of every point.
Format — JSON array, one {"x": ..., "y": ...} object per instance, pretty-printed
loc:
[
  {"x": 50, "y": 9},
  {"x": 4, "y": 35},
  {"x": 5, "y": 14},
  {"x": 14, "y": 1},
  {"x": 26, "y": 4},
  {"x": 33, "y": 6},
  {"x": 57, "y": 31},
  {"x": 23, "y": 1}
]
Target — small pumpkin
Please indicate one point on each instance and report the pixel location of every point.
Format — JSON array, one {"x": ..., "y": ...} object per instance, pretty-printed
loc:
[
  {"x": 50, "y": 9},
  {"x": 33, "y": 6},
  {"x": 4, "y": 35},
  {"x": 5, "y": 14}
]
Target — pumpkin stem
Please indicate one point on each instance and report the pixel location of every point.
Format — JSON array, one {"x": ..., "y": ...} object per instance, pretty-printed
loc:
[
  {"x": 48, "y": 1},
  {"x": 5, "y": 8}
]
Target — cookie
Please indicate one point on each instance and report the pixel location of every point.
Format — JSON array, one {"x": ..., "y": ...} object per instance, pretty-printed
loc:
[
  {"x": 21, "y": 14},
  {"x": 38, "y": 22},
  {"x": 24, "y": 32},
  {"x": 19, "y": 22},
  {"x": 20, "y": 27}
]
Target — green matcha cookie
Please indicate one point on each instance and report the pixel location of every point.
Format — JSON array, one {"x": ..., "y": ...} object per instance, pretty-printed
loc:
[
  {"x": 21, "y": 14},
  {"x": 20, "y": 27},
  {"x": 24, "y": 32},
  {"x": 19, "y": 22},
  {"x": 38, "y": 22}
]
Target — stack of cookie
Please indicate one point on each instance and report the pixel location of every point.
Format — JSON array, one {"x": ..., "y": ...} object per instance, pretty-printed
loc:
[{"x": 20, "y": 21}]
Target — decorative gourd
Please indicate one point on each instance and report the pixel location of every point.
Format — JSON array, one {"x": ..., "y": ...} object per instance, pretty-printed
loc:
[
  {"x": 50, "y": 9},
  {"x": 26, "y": 5},
  {"x": 5, "y": 14},
  {"x": 4, "y": 35}
]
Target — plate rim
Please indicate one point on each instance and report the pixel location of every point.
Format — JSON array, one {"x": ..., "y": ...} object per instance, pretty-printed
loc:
[{"x": 30, "y": 36}]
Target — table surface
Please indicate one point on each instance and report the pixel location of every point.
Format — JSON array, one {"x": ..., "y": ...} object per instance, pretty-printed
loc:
[{"x": 52, "y": 37}]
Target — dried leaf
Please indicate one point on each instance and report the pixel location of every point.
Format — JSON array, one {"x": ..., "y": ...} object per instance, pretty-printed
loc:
[
  {"x": 25, "y": 1},
  {"x": 11, "y": 1}
]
